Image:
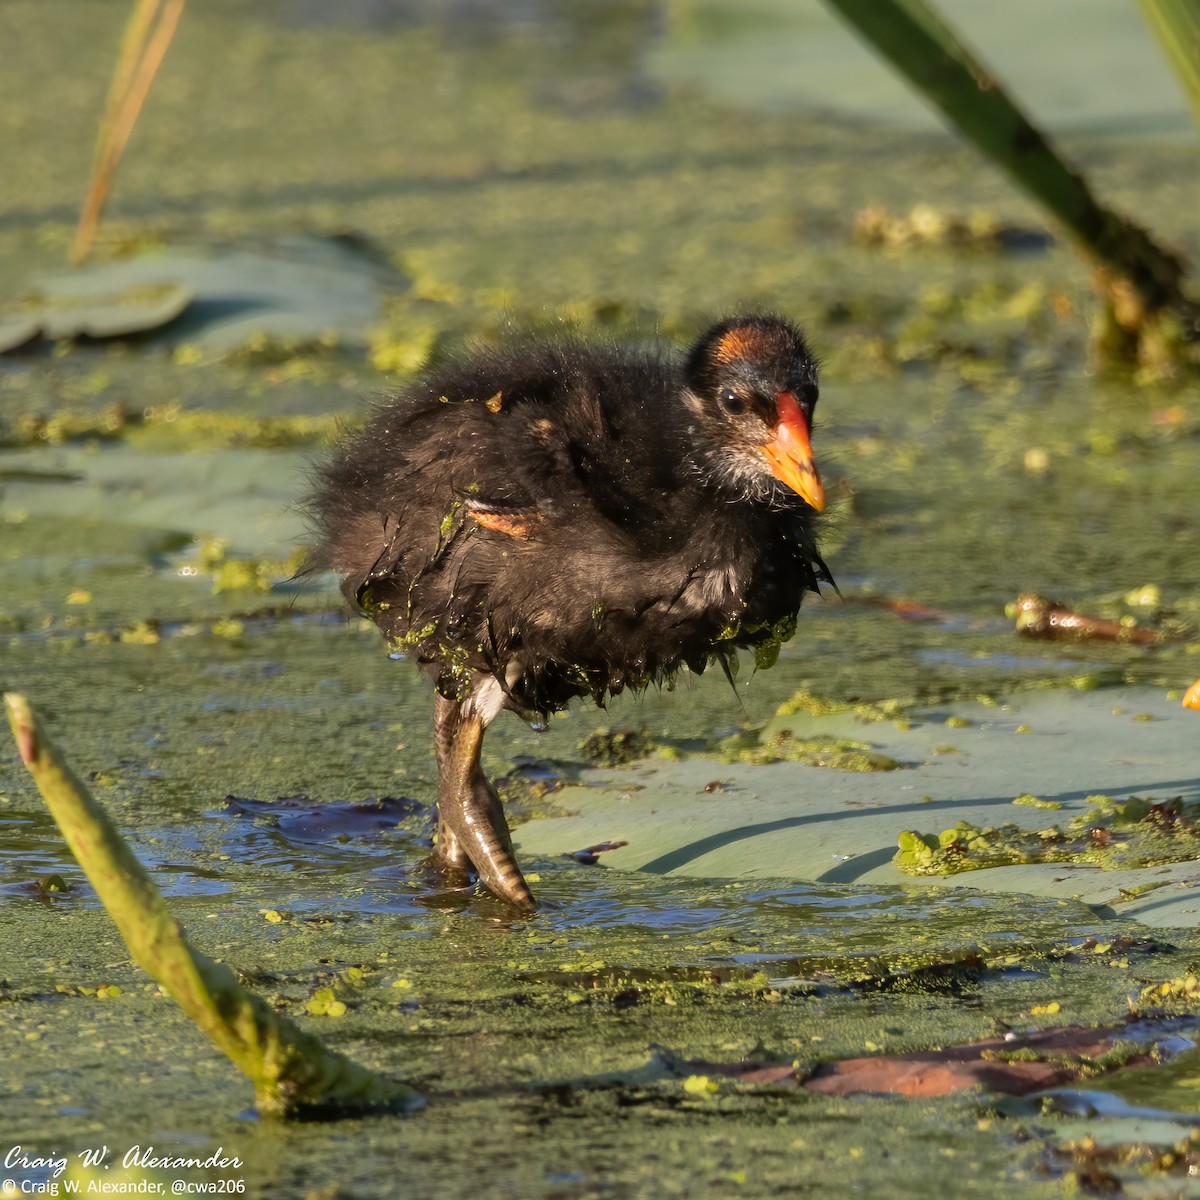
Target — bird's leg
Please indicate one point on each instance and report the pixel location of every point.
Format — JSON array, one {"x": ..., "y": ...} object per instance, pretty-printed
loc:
[
  {"x": 447, "y": 850},
  {"x": 469, "y": 811}
]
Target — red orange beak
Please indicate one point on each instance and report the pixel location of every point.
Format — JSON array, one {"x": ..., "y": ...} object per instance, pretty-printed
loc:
[{"x": 789, "y": 453}]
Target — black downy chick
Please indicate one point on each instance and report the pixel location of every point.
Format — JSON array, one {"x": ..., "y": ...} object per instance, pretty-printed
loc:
[{"x": 537, "y": 523}]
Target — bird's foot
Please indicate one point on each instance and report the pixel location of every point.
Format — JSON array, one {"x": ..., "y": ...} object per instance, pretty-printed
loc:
[{"x": 471, "y": 824}]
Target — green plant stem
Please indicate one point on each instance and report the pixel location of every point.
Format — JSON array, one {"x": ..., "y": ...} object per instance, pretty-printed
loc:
[
  {"x": 1176, "y": 24},
  {"x": 292, "y": 1072},
  {"x": 910, "y": 35}
]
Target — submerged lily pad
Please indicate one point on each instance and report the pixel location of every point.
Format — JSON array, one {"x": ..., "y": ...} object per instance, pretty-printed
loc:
[
  {"x": 292, "y": 288},
  {"x": 112, "y": 314},
  {"x": 17, "y": 331},
  {"x": 797, "y": 820}
]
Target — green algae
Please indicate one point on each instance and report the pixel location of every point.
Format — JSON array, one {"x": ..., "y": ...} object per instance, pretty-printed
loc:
[
  {"x": 570, "y": 1058},
  {"x": 842, "y": 754},
  {"x": 804, "y": 701},
  {"x": 766, "y": 640},
  {"x": 1084, "y": 1066},
  {"x": 167, "y": 427},
  {"x": 232, "y": 574},
  {"x": 1112, "y": 835},
  {"x": 616, "y": 747},
  {"x": 1028, "y": 800},
  {"x": 759, "y": 746}
]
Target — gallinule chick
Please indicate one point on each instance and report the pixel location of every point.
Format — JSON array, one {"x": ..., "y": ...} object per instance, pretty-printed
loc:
[{"x": 548, "y": 521}]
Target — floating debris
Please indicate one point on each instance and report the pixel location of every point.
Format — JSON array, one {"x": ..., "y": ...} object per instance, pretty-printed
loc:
[
  {"x": 589, "y": 856},
  {"x": 1014, "y": 1065},
  {"x": 1039, "y": 617},
  {"x": 927, "y": 226}
]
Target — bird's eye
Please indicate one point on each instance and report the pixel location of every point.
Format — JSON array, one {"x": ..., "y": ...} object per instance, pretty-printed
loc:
[{"x": 731, "y": 402}]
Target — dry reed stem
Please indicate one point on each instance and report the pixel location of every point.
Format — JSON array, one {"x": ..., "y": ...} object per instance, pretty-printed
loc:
[{"x": 143, "y": 48}]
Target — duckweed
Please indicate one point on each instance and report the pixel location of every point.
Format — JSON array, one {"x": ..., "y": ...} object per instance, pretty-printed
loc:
[
  {"x": 842, "y": 754},
  {"x": 1030, "y": 801},
  {"x": 807, "y": 702},
  {"x": 1113, "y": 835}
]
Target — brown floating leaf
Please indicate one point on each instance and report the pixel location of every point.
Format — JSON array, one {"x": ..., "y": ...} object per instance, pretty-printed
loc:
[
  {"x": 909, "y": 610},
  {"x": 514, "y": 524},
  {"x": 1039, "y": 1060},
  {"x": 1039, "y": 617}
]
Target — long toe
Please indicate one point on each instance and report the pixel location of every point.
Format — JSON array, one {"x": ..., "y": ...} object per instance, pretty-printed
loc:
[{"x": 473, "y": 814}]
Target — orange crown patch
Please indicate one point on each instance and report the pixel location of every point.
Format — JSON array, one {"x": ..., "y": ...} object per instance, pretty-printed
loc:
[{"x": 749, "y": 341}]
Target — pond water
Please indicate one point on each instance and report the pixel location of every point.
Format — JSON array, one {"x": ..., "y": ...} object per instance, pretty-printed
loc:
[{"x": 412, "y": 176}]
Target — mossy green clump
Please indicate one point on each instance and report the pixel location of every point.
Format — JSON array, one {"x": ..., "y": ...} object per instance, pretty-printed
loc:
[
  {"x": 1082, "y": 1066},
  {"x": 765, "y": 639},
  {"x": 141, "y": 633},
  {"x": 768, "y": 641},
  {"x": 230, "y": 574},
  {"x": 1113, "y": 835},
  {"x": 843, "y": 754},
  {"x": 616, "y": 747},
  {"x": 1028, "y": 800},
  {"x": 806, "y": 702}
]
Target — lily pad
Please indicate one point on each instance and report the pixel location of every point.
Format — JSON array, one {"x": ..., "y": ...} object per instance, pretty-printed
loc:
[
  {"x": 294, "y": 288},
  {"x": 137, "y": 309},
  {"x": 16, "y": 332},
  {"x": 794, "y": 820}
]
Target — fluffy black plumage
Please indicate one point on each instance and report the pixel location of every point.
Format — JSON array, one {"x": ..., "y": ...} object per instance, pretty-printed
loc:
[
  {"x": 572, "y": 520},
  {"x": 542, "y": 522}
]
